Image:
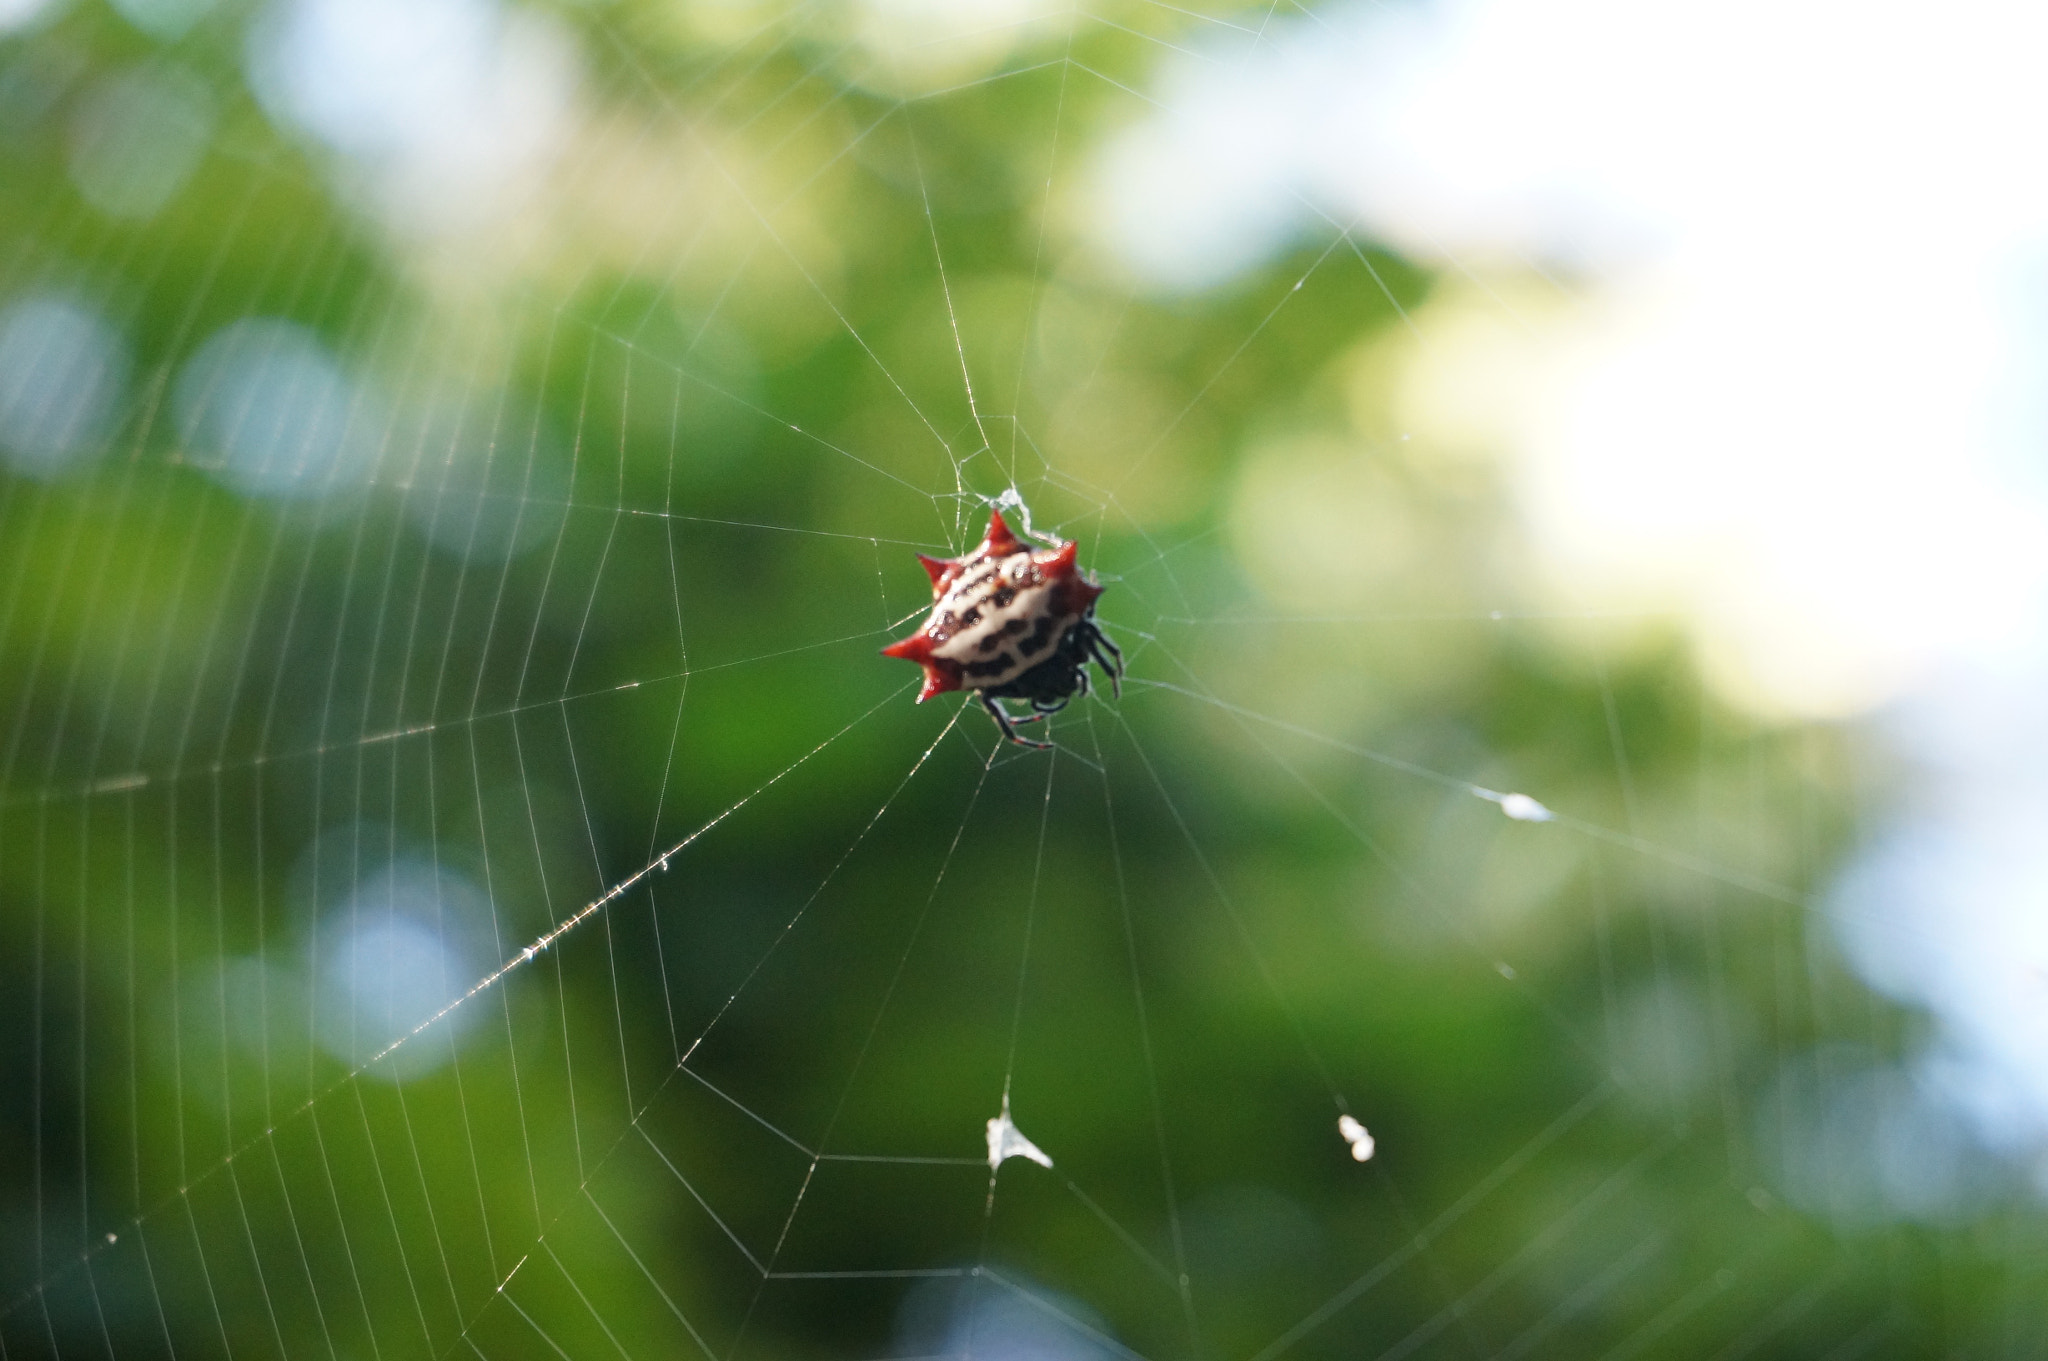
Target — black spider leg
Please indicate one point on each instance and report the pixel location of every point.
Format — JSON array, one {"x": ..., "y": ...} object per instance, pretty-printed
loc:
[
  {"x": 1112, "y": 665},
  {"x": 1008, "y": 724}
]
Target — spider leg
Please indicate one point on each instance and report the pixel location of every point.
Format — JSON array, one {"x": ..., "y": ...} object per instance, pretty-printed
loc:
[
  {"x": 1113, "y": 664},
  {"x": 1007, "y": 724}
]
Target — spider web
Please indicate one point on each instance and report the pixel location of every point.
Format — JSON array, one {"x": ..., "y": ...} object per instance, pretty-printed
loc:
[{"x": 471, "y": 886}]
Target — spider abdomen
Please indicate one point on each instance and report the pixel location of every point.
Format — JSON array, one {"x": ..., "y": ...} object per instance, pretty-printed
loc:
[{"x": 999, "y": 622}]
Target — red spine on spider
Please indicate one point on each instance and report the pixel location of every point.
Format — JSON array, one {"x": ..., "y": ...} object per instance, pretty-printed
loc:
[{"x": 1010, "y": 621}]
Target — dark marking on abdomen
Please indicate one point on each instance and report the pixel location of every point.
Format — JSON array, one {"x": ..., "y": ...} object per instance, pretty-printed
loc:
[{"x": 1040, "y": 636}]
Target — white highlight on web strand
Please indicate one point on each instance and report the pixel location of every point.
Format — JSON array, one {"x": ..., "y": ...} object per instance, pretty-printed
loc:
[
  {"x": 1520, "y": 807},
  {"x": 1356, "y": 1135},
  {"x": 1006, "y": 1141}
]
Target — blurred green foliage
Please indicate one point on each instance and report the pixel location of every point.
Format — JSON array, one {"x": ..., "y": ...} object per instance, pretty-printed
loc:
[{"x": 1255, "y": 886}]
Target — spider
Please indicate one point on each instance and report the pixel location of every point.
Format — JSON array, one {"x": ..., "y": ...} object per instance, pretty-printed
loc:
[{"x": 1010, "y": 621}]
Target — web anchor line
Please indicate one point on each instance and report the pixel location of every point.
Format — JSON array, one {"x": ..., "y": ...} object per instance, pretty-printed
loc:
[
  {"x": 100, "y": 1245},
  {"x": 596, "y": 905}
]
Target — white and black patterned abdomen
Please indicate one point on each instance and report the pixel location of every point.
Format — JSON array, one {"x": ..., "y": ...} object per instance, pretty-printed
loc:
[{"x": 999, "y": 619}]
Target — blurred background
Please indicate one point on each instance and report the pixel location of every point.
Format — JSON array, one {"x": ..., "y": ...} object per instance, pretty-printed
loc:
[{"x": 1568, "y": 477}]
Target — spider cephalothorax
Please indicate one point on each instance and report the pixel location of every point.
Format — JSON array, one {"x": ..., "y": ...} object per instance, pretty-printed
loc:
[{"x": 1010, "y": 621}]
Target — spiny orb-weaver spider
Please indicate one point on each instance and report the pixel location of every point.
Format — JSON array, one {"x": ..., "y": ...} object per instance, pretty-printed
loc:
[{"x": 1010, "y": 621}]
